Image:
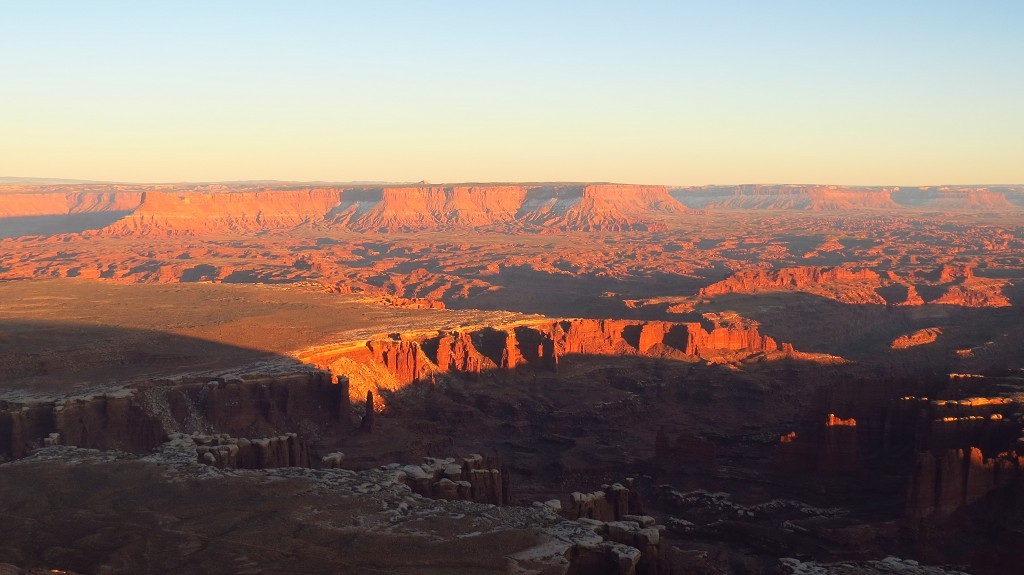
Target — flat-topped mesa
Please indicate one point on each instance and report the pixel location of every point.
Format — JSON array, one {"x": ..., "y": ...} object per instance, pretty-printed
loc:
[
  {"x": 536, "y": 207},
  {"x": 599, "y": 207},
  {"x": 189, "y": 213}
]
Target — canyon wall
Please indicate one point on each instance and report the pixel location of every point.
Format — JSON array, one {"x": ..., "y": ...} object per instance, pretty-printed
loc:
[
  {"x": 142, "y": 418},
  {"x": 393, "y": 362},
  {"x": 948, "y": 480}
]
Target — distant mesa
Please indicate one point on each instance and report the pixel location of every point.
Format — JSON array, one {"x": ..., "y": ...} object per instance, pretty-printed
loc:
[
  {"x": 24, "y": 204},
  {"x": 838, "y": 198},
  {"x": 578, "y": 207}
]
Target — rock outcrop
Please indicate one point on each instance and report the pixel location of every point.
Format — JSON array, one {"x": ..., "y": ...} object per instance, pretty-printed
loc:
[
  {"x": 188, "y": 213},
  {"x": 474, "y": 478},
  {"x": 611, "y": 503},
  {"x": 225, "y": 452},
  {"x": 919, "y": 337}
]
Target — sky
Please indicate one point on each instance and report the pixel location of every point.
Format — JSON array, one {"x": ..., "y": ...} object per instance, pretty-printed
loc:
[{"x": 894, "y": 92}]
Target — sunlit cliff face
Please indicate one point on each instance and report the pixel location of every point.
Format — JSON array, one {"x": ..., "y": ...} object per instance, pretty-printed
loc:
[{"x": 394, "y": 363}]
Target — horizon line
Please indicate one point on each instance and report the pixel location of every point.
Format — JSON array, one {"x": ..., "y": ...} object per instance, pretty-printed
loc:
[{"x": 42, "y": 181}]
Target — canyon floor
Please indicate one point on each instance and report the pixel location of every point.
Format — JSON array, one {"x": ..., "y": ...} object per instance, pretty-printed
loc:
[{"x": 564, "y": 379}]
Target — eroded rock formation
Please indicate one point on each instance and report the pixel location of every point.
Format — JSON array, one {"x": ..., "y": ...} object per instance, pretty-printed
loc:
[
  {"x": 474, "y": 478},
  {"x": 611, "y": 503},
  {"x": 223, "y": 451}
]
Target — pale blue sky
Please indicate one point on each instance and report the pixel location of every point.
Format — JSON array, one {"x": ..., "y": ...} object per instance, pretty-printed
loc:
[{"x": 894, "y": 92}]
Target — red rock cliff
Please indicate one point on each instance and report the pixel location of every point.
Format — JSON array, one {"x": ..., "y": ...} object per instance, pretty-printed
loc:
[{"x": 541, "y": 345}]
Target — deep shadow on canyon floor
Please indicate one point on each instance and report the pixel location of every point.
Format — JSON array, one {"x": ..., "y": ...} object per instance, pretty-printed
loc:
[{"x": 702, "y": 443}]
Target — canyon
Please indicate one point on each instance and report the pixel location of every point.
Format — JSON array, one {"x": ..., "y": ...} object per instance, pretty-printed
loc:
[{"x": 516, "y": 377}]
